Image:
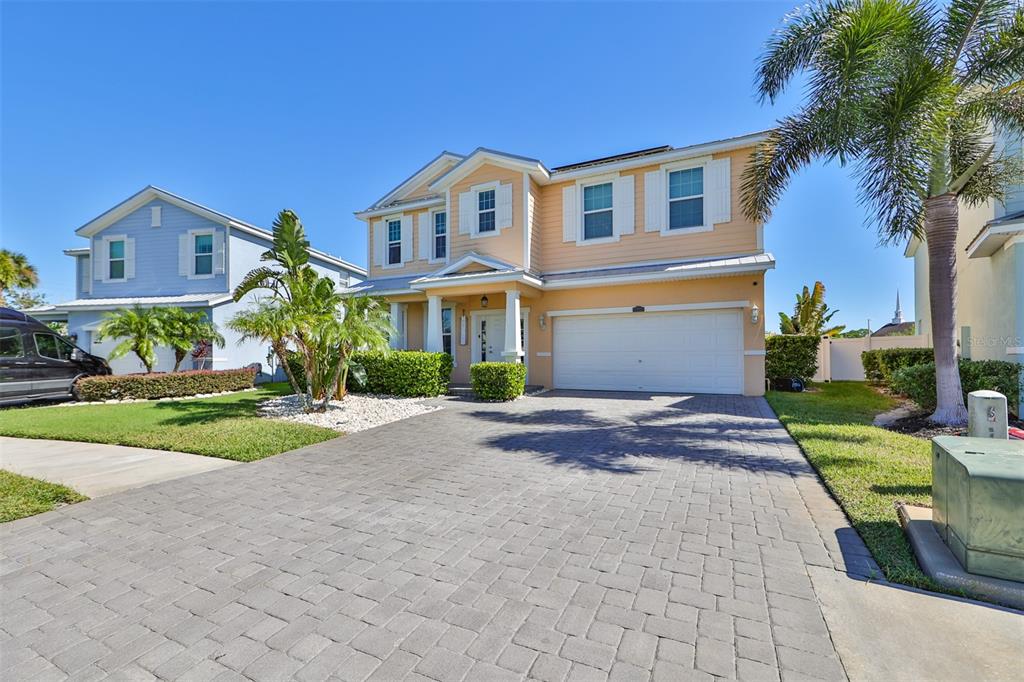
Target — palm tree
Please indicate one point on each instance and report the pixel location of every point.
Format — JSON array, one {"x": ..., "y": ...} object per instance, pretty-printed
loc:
[
  {"x": 268, "y": 322},
  {"x": 810, "y": 314},
  {"x": 907, "y": 91},
  {"x": 16, "y": 271},
  {"x": 140, "y": 330},
  {"x": 365, "y": 325},
  {"x": 183, "y": 329}
]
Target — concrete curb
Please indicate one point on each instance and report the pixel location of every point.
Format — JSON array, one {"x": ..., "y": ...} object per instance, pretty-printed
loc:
[{"x": 939, "y": 564}]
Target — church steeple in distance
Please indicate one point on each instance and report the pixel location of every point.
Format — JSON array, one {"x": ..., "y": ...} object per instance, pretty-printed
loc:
[{"x": 898, "y": 317}]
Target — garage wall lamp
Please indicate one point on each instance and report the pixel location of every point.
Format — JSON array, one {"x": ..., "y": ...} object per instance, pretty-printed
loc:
[
  {"x": 755, "y": 314},
  {"x": 542, "y": 320}
]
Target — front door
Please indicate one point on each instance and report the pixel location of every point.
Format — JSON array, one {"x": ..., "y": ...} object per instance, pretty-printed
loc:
[{"x": 491, "y": 338}]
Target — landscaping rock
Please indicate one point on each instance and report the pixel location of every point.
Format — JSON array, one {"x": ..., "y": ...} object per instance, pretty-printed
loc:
[{"x": 357, "y": 412}]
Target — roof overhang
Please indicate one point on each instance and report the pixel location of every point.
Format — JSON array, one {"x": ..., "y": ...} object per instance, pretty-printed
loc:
[
  {"x": 993, "y": 237},
  {"x": 77, "y": 251},
  {"x": 416, "y": 205},
  {"x": 699, "y": 270},
  {"x": 481, "y": 156},
  {"x": 487, "y": 277},
  {"x": 911, "y": 248},
  {"x": 432, "y": 168},
  {"x": 185, "y": 301}
]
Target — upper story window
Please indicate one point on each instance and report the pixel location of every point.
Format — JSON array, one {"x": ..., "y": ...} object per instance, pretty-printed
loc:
[
  {"x": 116, "y": 259},
  {"x": 686, "y": 198},
  {"x": 440, "y": 235},
  {"x": 394, "y": 242},
  {"x": 485, "y": 206},
  {"x": 203, "y": 250},
  {"x": 597, "y": 211}
]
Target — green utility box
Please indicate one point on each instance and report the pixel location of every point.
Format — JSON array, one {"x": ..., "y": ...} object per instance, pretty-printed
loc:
[{"x": 978, "y": 503}]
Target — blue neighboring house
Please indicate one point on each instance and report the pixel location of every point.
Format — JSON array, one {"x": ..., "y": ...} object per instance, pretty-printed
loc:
[{"x": 159, "y": 249}]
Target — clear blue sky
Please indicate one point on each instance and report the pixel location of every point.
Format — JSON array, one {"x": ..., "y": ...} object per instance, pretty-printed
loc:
[{"x": 323, "y": 107}]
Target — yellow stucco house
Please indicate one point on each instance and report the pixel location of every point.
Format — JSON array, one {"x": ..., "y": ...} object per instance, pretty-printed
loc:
[{"x": 634, "y": 272}]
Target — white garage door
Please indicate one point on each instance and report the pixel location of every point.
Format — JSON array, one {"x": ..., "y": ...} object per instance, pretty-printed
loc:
[
  {"x": 680, "y": 352},
  {"x": 130, "y": 364}
]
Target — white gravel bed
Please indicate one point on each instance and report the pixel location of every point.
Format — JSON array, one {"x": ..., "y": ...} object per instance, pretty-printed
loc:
[{"x": 357, "y": 412}]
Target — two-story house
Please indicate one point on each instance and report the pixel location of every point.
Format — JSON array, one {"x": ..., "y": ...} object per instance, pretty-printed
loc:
[
  {"x": 633, "y": 272},
  {"x": 989, "y": 270},
  {"x": 159, "y": 249}
]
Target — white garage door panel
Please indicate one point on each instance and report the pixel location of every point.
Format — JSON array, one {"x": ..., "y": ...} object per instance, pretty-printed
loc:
[
  {"x": 698, "y": 351},
  {"x": 130, "y": 364}
]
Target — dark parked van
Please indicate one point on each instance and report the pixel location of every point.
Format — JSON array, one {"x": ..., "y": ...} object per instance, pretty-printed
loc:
[{"x": 37, "y": 363}]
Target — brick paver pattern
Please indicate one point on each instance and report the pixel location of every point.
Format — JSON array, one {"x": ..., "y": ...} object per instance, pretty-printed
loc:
[{"x": 562, "y": 536}]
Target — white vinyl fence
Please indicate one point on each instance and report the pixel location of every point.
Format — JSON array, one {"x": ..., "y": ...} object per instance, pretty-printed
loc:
[{"x": 839, "y": 359}]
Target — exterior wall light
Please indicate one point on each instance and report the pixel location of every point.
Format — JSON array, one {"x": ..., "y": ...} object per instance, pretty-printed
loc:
[
  {"x": 755, "y": 314},
  {"x": 483, "y": 301},
  {"x": 542, "y": 320}
]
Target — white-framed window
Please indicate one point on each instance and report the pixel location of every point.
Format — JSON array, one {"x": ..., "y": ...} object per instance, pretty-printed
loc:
[
  {"x": 597, "y": 211},
  {"x": 447, "y": 330},
  {"x": 394, "y": 234},
  {"x": 202, "y": 250},
  {"x": 115, "y": 259},
  {"x": 686, "y": 198},
  {"x": 440, "y": 246},
  {"x": 486, "y": 214}
]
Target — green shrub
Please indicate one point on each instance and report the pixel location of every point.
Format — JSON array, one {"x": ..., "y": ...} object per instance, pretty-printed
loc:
[
  {"x": 882, "y": 363},
  {"x": 498, "y": 380},
  {"x": 917, "y": 382},
  {"x": 406, "y": 373},
  {"x": 160, "y": 385},
  {"x": 791, "y": 356}
]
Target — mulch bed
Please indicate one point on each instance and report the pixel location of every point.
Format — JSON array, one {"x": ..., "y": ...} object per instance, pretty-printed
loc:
[{"x": 920, "y": 426}]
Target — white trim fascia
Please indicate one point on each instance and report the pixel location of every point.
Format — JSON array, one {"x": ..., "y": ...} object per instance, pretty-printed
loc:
[
  {"x": 526, "y": 220},
  {"x": 210, "y": 302},
  {"x": 911, "y": 248},
  {"x": 480, "y": 156},
  {"x": 670, "y": 156},
  {"x": 425, "y": 283},
  {"x": 139, "y": 199},
  {"x": 668, "y": 276},
  {"x": 645, "y": 263},
  {"x": 356, "y": 290},
  {"x": 471, "y": 258},
  {"x": 78, "y": 251},
  {"x": 993, "y": 231},
  {"x": 419, "y": 176},
  {"x": 755, "y": 352},
  {"x": 674, "y": 307},
  {"x": 411, "y": 206}
]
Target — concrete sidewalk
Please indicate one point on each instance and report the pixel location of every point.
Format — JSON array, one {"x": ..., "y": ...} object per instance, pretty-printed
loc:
[{"x": 96, "y": 469}]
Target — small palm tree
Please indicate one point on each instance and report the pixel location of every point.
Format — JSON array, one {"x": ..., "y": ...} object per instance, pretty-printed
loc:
[
  {"x": 268, "y": 322},
  {"x": 810, "y": 314},
  {"x": 16, "y": 271},
  {"x": 365, "y": 325},
  {"x": 908, "y": 91},
  {"x": 184, "y": 329},
  {"x": 140, "y": 329}
]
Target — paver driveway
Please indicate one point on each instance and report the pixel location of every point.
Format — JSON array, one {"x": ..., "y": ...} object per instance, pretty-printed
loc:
[{"x": 558, "y": 536}]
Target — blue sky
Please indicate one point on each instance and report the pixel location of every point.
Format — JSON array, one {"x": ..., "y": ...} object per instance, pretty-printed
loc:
[{"x": 322, "y": 107}]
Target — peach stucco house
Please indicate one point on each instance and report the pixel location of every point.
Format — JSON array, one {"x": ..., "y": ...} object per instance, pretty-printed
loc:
[{"x": 634, "y": 272}]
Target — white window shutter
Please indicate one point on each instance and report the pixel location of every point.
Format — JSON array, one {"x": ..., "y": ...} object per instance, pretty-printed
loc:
[
  {"x": 154, "y": 216},
  {"x": 218, "y": 253},
  {"x": 570, "y": 214},
  {"x": 718, "y": 192},
  {"x": 86, "y": 275},
  {"x": 378, "y": 243},
  {"x": 504, "y": 201},
  {"x": 425, "y": 235},
  {"x": 129, "y": 258},
  {"x": 623, "y": 215},
  {"x": 467, "y": 213},
  {"x": 184, "y": 254},
  {"x": 655, "y": 207},
  {"x": 99, "y": 262},
  {"x": 406, "y": 238}
]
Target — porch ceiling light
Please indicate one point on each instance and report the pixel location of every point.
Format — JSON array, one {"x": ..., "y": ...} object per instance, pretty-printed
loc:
[{"x": 483, "y": 301}]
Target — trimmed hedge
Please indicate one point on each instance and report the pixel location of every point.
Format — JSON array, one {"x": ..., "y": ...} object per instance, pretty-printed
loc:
[
  {"x": 498, "y": 380},
  {"x": 917, "y": 382},
  {"x": 405, "y": 373},
  {"x": 791, "y": 355},
  {"x": 882, "y": 363},
  {"x": 163, "y": 385}
]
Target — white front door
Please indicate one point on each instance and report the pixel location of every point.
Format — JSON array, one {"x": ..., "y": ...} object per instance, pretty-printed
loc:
[
  {"x": 489, "y": 336},
  {"x": 678, "y": 352}
]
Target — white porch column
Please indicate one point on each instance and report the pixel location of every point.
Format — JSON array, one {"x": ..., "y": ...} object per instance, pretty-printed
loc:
[
  {"x": 397, "y": 322},
  {"x": 513, "y": 328},
  {"x": 433, "y": 341}
]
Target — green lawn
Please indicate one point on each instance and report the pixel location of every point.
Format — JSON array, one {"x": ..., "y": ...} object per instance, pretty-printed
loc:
[
  {"x": 226, "y": 426},
  {"x": 868, "y": 469},
  {"x": 21, "y": 496}
]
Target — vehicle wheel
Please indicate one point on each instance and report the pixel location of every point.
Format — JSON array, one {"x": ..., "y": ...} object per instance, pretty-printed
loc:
[{"x": 74, "y": 392}]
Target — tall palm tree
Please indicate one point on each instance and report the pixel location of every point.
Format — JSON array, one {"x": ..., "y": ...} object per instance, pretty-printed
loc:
[
  {"x": 140, "y": 330},
  {"x": 16, "y": 271},
  {"x": 268, "y": 322},
  {"x": 183, "y": 329},
  {"x": 907, "y": 92},
  {"x": 810, "y": 314}
]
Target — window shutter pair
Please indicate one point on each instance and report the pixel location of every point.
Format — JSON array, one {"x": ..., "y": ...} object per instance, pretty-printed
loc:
[
  {"x": 406, "y": 238},
  {"x": 379, "y": 245},
  {"x": 503, "y": 199},
  {"x": 717, "y": 195},
  {"x": 426, "y": 235},
  {"x": 467, "y": 213}
]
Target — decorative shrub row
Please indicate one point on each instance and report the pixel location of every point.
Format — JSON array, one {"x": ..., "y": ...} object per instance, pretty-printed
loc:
[
  {"x": 882, "y": 363},
  {"x": 160, "y": 385},
  {"x": 791, "y": 356},
  {"x": 917, "y": 382},
  {"x": 406, "y": 373},
  {"x": 498, "y": 380}
]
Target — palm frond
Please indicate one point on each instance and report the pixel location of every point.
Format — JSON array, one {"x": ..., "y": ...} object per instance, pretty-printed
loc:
[
  {"x": 792, "y": 47},
  {"x": 258, "y": 278},
  {"x": 966, "y": 25},
  {"x": 998, "y": 56}
]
